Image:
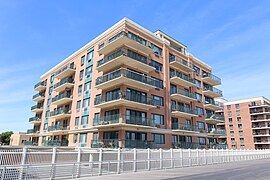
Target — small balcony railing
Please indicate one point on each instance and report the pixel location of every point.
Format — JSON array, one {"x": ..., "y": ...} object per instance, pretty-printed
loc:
[
  {"x": 184, "y": 93},
  {"x": 185, "y": 110},
  {"x": 186, "y": 145},
  {"x": 31, "y": 131},
  {"x": 42, "y": 95},
  {"x": 58, "y": 128},
  {"x": 216, "y": 117},
  {"x": 64, "y": 81},
  {"x": 217, "y": 131},
  {"x": 62, "y": 96},
  {"x": 139, "y": 144},
  {"x": 43, "y": 83},
  {"x": 182, "y": 76},
  {"x": 213, "y": 102},
  {"x": 213, "y": 77},
  {"x": 60, "y": 111},
  {"x": 181, "y": 61},
  {"x": 34, "y": 119},
  {"x": 185, "y": 127},
  {"x": 36, "y": 107},
  {"x": 71, "y": 66},
  {"x": 56, "y": 143},
  {"x": 217, "y": 146},
  {"x": 213, "y": 89},
  {"x": 105, "y": 143}
]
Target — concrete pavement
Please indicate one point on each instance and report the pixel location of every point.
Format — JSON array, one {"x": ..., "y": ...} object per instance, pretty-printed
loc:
[{"x": 245, "y": 170}]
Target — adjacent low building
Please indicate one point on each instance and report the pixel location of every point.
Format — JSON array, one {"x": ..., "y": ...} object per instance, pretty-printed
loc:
[{"x": 128, "y": 88}]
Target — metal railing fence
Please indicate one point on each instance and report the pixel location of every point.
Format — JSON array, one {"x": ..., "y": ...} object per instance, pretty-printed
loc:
[{"x": 71, "y": 163}]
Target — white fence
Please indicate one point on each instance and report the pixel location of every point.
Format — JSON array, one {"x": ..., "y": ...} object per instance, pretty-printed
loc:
[{"x": 59, "y": 163}]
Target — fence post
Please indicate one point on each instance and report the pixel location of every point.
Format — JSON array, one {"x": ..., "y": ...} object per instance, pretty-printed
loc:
[
  {"x": 22, "y": 162},
  {"x": 134, "y": 160},
  {"x": 161, "y": 158},
  {"x": 182, "y": 158},
  {"x": 118, "y": 160},
  {"x": 100, "y": 163},
  {"x": 212, "y": 158},
  {"x": 91, "y": 162},
  {"x": 3, "y": 173},
  {"x": 172, "y": 162},
  {"x": 148, "y": 159},
  {"x": 189, "y": 157},
  {"x": 53, "y": 163},
  {"x": 222, "y": 155},
  {"x": 204, "y": 156},
  {"x": 197, "y": 156},
  {"x": 78, "y": 173}
]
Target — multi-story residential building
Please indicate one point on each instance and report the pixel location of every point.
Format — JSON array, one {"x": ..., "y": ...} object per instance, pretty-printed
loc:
[
  {"x": 248, "y": 123},
  {"x": 128, "y": 87}
]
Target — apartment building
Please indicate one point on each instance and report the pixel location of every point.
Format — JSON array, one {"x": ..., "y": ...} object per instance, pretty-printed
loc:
[
  {"x": 127, "y": 88},
  {"x": 248, "y": 123}
]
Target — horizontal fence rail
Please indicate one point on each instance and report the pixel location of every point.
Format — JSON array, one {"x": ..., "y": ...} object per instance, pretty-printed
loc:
[{"x": 72, "y": 163}]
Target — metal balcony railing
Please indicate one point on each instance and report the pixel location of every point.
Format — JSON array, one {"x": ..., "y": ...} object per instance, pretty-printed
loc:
[
  {"x": 213, "y": 77},
  {"x": 182, "y": 76},
  {"x": 184, "y": 93},
  {"x": 186, "y": 127},
  {"x": 105, "y": 143},
  {"x": 64, "y": 81},
  {"x": 213, "y": 89},
  {"x": 62, "y": 96}
]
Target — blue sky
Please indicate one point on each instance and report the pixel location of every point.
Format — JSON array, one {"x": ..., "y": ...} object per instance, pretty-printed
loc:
[{"x": 232, "y": 36}]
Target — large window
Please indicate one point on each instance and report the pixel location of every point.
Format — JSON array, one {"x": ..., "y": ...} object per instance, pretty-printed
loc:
[
  {"x": 202, "y": 141},
  {"x": 90, "y": 55},
  {"x": 200, "y": 125},
  {"x": 87, "y": 86},
  {"x": 196, "y": 69},
  {"x": 88, "y": 71},
  {"x": 157, "y": 82},
  {"x": 198, "y": 96},
  {"x": 157, "y": 100},
  {"x": 200, "y": 111},
  {"x": 173, "y": 89},
  {"x": 84, "y": 120},
  {"x": 77, "y": 120},
  {"x": 80, "y": 90},
  {"x": 156, "y": 49},
  {"x": 82, "y": 60},
  {"x": 158, "y": 138},
  {"x": 83, "y": 139},
  {"x": 197, "y": 83},
  {"x": 86, "y": 102},
  {"x": 157, "y": 65},
  {"x": 81, "y": 74},
  {"x": 78, "y": 106},
  {"x": 158, "y": 119}
]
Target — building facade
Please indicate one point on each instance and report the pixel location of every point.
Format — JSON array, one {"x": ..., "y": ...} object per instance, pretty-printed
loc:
[
  {"x": 247, "y": 123},
  {"x": 127, "y": 88}
]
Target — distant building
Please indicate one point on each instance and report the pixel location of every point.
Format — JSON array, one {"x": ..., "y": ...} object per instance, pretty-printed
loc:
[{"x": 19, "y": 139}]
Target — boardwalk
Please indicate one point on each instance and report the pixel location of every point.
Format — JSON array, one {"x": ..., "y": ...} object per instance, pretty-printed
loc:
[{"x": 245, "y": 170}]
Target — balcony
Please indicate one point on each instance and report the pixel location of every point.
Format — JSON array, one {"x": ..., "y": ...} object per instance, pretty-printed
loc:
[
  {"x": 184, "y": 128},
  {"x": 123, "y": 120},
  {"x": 64, "y": 72},
  {"x": 182, "y": 95},
  {"x": 58, "y": 128},
  {"x": 67, "y": 83},
  {"x": 37, "y": 108},
  {"x": 262, "y": 142},
  {"x": 56, "y": 143},
  {"x": 213, "y": 105},
  {"x": 127, "y": 77},
  {"x": 39, "y": 97},
  {"x": 261, "y": 134},
  {"x": 212, "y": 92},
  {"x": 186, "y": 145},
  {"x": 181, "y": 79},
  {"x": 217, "y": 146},
  {"x": 32, "y": 131},
  {"x": 61, "y": 99},
  {"x": 184, "y": 112},
  {"x": 60, "y": 113},
  {"x": 123, "y": 98},
  {"x": 124, "y": 39},
  {"x": 211, "y": 79},
  {"x": 180, "y": 64},
  {"x": 214, "y": 119},
  {"x": 139, "y": 144},
  {"x": 105, "y": 143},
  {"x": 35, "y": 120},
  {"x": 216, "y": 132},
  {"x": 260, "y": 120},
  {"x": 254, "y": 112},
  {"x": 41, "y": 86},
  {"x": 125, "y": 57},
  {"x": 257, "y": 105},
  {"x": 263, "y": 126}
]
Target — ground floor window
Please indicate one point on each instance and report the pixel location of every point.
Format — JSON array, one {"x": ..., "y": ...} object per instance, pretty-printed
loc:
[{"x": 158, "y": 138}]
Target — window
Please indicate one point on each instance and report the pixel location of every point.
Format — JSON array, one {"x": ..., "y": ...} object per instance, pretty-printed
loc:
[
  {"x": 156, "y": 49},
  {"x": 86, "y": 102},
  {"x": 230, "y": 120},
  {"x": 229, "y": 113},
  {"x": 81, "y": 74},
  {"x": 242, "y": 140},
  {"x": 240, "y": 133},
  {"x": 198, "y": 96},
  {"x": 228, "y": 107},
  {"x": 239, "y": 119},
  {"x": 232, "y": 139},
  {"x": 90, "y": 55},
  {"x": 231, "y": 127},
  {"x": 188, "y": 139},
  {"x": 196, "y": 69},
  {"x": 242, "y": 146},
  {"x": 52, "y": 79},
  {"x": 237, "y": 106},
  {"x": 240, "y": 126},
  {"x": 82, "y": 60},
  {"x": 78, "y": 105},
  {"x": 156, "y": 65},
  {"x": 84, "y": 120},
  {"x": 157, "y": 82},
  {"x": 200, "y": 125},
  {"x": 174, "y": 139},
  {"x": 75, "y": 139},
  {"x": 83, "y": 139},
  {"x": 47, "y": 114},
  {"x": 77, "y": 120},
  {"x": 158, "y": 138},
  {"x": 173, "y": 89},
  {"x": 173, "y": 105},
  {"x": 202, "y": 140},
  {"x": 48, "y": 102},
  {"x": 158, "y": 119},
  {"x": 88, "y": 71},
  {"x": 200, "y": 111},
  {"x": 157, "y": 100},
  {"x": 50, "y": 90},
  {"x": 238, "y": 113},
  {"x": 197, "y": 83},
  {"x": 87, "y": 86},
  {"x": 232, "y": 133},
  {"x": 80, "y": 90},
  {"x": 45, "y": 126}
]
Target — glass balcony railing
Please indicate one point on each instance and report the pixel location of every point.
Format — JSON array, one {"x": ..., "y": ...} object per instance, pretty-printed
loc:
[
  {"x": 173, "y": 58},
  {"x": 125, "y": 52},
  {"x": 217, "y": 146},
  {"x": 127, "y": 96},
  {"x": 58, "y": 127},
  {"x": 131, "y": 75},
  {"x": 213, "y": 89},
  {"x": 36, "y": 107},
  {"x": 43, "y": 83},
  {"x": 111, "y": 119},
  {"x": 38, "y": 95},
  {"x": 105, "y": 143},
  {"x": 71, "y": 66},
  {"x": 60, "y": 111},
  {"x": 34, "y": 119},
  {"x": 184, "y": 93},
  {"x": 213, "y": 77},
  {"x": 64, "y": 81},
  {"x": 139, "y": 144},
  {"x": 186, "y": 145},
  {"x": 182, "y": 76},
  {"x": 217, "y": 131},
  {"x": 213, "y": 102},
  {"x": 61, "y": 96},
  {"x": 56, "y": 143},
  {"x": 186, "y": 127},
  {"x": 31, "y": 131},
  {"x": 214, "y": 116},
  {"x": 185, "y": 110}
]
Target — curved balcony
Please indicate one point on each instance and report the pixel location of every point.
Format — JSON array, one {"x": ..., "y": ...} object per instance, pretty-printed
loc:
[
  {"x": 35, "y": 120},
  {"x": 180, "y": 64},
  {"x": 212, "y": 91},
  {"x": 125, "y": 39},
  {"x": 64, "y": 84},
  {"x": 188, "y": 128},
  {"x": 60, "y": 114},
  {"x": 214, "y": 119},
  {"x": 37, "y": 108},
  {"x": 41, "y": 86},
  {"x": 213, "y": 105},
  {"x": 38, "y": 97},
  {"x": 61, "y": 99},
  {"x": 184, "y": 112},
  {"x": 66, "y": 71},
  {"x": 127, "y": 77},
  {"x": 125, "y": 57},
  {"x": 211, "y": 79},
  {"x": 181, "y": 79},
  {"x": 182, "y": 95},
  {"x": 123, "y": 98}
]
